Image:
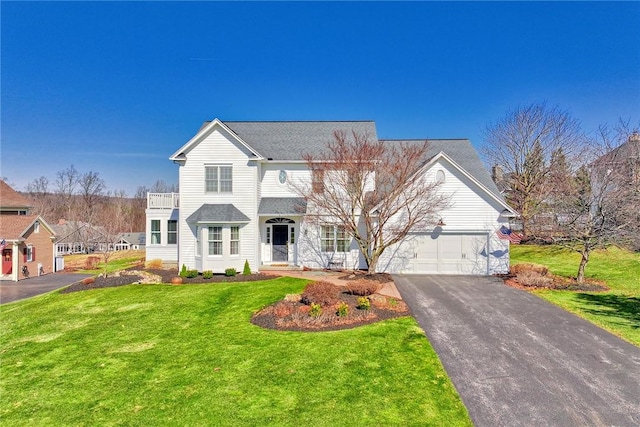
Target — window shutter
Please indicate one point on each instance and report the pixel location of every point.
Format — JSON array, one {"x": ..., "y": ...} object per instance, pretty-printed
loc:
[
  {"x": 33, "y": 253},
  {"x": 24, "y": 252}
]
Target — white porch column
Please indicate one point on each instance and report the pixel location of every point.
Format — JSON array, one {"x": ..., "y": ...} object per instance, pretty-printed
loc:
[{"x": 15, "y": 253}]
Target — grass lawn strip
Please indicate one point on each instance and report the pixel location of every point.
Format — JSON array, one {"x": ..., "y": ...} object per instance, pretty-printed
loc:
[
  {"x": 188, "y": 355},
  {"x": 617, "y": 310}
]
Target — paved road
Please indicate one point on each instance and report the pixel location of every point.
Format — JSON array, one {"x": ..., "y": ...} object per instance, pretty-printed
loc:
[
  {"x": 27, "y": 288},
  {"x": 517, "y": 360}
]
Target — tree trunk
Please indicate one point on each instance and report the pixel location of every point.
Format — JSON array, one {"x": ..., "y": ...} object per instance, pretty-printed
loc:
[
  {"x": 372, "y": 264},
  {"x": 583, "y": 263}
]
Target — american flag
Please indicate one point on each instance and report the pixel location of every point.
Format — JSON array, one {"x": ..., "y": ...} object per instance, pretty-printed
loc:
[
  {"x": 3, "y": 243},
  {"x": 506, "y": 233}
]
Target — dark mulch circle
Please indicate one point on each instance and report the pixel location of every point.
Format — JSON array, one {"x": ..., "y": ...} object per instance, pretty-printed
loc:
[
  {"x": 130, "y": 278},
  {"x": 298, "y": 318}
]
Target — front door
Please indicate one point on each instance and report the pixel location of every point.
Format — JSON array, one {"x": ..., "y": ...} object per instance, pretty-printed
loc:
[
  {"x": 280, "y": 246},
  {"x": 7, "y": 261}
]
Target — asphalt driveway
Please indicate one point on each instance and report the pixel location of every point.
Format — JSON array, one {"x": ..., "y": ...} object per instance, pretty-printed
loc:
[
  {"x": 27, "y": 288},
  {"x": 517, "y": 360}
]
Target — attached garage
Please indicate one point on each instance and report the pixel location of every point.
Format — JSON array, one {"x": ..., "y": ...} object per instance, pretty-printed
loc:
[{"x": 449, "y": 253}]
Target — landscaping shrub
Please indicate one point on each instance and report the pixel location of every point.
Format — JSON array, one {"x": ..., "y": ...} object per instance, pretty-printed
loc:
[
  {"x": 364, "y": 303},
  {"x": 246, "y": 270},
  {"x": 541, "y": 270},
  {"x": 91, "y": 263},
  {"x": 282, "y": 309},
  {"x": 230, "y": 272},
  {"x": 362, "y": 287},
  {"x": 323, "y": 293},
  {"x": 190, "y": 274},
  {"x": 343, "y": 309},
  {"x": 154, "y": 264},
  {"x": 207, "y": 274},
  {"x": 316, "y": 310},
  {"x": 532, "y": 278},
  {"x": 183, "y": 271}
]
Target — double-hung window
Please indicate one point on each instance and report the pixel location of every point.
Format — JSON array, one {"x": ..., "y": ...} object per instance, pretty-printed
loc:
[
  {"x": 215, "y": 240},
  {"x": 234, "y": 241},
  {"x": 218, "y": 179},
  {"x": 155, "y": 231},
  {"x": 334, "y": 239},
  {"x": 172, "y": 232}
]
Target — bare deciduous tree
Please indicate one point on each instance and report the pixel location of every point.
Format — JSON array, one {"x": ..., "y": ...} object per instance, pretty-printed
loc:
[
  {"x": 373, "y": 189},
  {"x": 600, "y": 207},
  {"x": 114, "y": 218},
  {"x": 65, "y": 189},
  {"x": 522, "y": 143}
]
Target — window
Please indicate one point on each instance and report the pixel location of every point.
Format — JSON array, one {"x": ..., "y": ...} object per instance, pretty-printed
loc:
[
  {"x": 218, "y": 179},
  {"x": 342, "y": 240},
  {"x": 215, "y": 240},
  {"x": 234, "y": 242},
  {"x": 155, "y": 231},
  {"x": 36, "y": 227},
  {"x": 282, "y": 176},
  {"x": 317, "y": 181},
  {"x": 334, "y": 239},
  {"x": 29, "y": 254},
  {"x": 172, "y": 232},
  {"x": 293, "y": 235}
]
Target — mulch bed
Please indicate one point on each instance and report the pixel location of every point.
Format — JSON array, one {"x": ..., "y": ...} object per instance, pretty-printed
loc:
[
  {"x": 375, "y": 277},
  {"x": 128, "y": 277},
  {"x": 559, "y": 284}
]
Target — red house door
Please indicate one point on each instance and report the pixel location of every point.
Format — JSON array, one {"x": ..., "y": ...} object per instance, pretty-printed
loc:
[{"x": 7, "y": 262}]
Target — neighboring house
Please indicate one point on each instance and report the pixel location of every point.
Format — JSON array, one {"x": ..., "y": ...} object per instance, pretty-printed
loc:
[
  {"x": 26, "y": 240},
  {"x": 133, "y": 241},
  {"x": 77, "y": 237},
  {"x": 236, "y": 204}
]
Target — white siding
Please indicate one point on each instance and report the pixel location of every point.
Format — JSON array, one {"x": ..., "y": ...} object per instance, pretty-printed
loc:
[
  {"x": 297, "y": 173},
  {"x": 163, "y": 251},
  {"x": 218, "y": 148},
  {"x": 472, "y": 212}
]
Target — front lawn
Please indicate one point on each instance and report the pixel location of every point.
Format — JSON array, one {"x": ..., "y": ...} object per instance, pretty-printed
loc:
[
  {"x": 617, "y": 310},
  {"x": 188, "y": 355}
]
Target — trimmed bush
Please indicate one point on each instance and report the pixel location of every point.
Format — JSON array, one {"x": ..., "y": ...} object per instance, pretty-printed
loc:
[
  {"x": 183, "y": 271},
  {"x": 364, "y": 303},
  {"x": 316, "y": 310},
  {"x": 207, "y": 274},
  {"x": 343, "y": 309},
  {"x": 541, "y": 270},
  {"x": 230, "y": 272},
  {"x": 363, "y": 287},
  {"x": 532, "y": 278},
  {"x": 322, "y": 293},
  {"x": 247, "y": 269},
  {"x": 190, "y": 274}
]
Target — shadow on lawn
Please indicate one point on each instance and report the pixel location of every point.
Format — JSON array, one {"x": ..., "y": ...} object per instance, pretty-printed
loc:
[{"x": 627, "y": 308}]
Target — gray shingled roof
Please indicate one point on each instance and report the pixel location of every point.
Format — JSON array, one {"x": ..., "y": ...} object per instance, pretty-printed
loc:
[
  {"x": 282, "y": 206},
  {"x": 462, "y": 152},
  {"x": 290, "y": 140},
  {"x": 217, "y": 213},
  {"x": 134, "y": 238}
]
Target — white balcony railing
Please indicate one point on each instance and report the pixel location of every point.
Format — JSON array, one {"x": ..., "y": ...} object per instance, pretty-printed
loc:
[{"x": 163, "y": 200}]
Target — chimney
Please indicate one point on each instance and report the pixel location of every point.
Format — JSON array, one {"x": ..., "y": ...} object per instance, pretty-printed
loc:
[{"x": 496, "y": 174}]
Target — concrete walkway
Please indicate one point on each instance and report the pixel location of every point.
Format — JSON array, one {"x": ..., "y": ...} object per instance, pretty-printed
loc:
[
  {"x": 13, "y": 291},
  {"x": 517, "y": 360}
]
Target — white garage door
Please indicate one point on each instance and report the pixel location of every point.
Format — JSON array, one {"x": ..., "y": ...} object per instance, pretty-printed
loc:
[{"x": 448, "y": 253}]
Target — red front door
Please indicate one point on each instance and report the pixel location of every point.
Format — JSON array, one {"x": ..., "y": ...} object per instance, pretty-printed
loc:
[{"x": 7, "y": 262}]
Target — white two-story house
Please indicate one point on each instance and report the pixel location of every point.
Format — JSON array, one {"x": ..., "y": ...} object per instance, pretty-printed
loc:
[{"x": 236, "y": 204}]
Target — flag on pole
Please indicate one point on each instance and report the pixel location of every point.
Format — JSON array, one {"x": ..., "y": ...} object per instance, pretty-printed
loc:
[
  {"x": 3, "y": 243},
  {"x": 506, "y": 233}
]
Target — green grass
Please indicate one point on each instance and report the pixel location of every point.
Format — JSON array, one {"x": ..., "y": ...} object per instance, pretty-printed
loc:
[
  {"x": 617, "y": 310},
  {"x": 188, "y": 355}
]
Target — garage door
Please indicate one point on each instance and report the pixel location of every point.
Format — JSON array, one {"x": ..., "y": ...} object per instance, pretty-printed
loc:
[{"x": 450, "y": 253}]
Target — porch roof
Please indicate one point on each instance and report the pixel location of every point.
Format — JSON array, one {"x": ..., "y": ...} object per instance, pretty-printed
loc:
[
  {"x": 279, "y": 206},
  {"x": 217, "y": 213}
]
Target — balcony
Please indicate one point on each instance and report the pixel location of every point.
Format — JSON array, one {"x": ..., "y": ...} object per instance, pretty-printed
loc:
[{"x": 163, "y": 200}]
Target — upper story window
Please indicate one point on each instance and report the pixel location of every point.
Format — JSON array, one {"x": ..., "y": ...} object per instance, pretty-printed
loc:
[
  {"x": 36, "y": 227},
  {"x": 218, "y": 179},
  {"x": 282, "y": 177},
  {"x": 317, "y": 181}
]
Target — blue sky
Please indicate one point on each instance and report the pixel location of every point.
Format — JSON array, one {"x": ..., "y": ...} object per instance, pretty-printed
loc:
[{"x": 117, "y": 87}]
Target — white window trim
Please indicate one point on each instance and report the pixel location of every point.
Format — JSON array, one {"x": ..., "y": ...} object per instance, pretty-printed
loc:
[
  {"x": 210, "y": 240},
  {"x": 29, "y": 253},
  {"x": 333, "y": 239},
  {"x": 218, "y": 178},
  {"x": 172, "y": 232},
  {"x": 231, "y": 240},
  {"x": 155, "y": 232}
]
